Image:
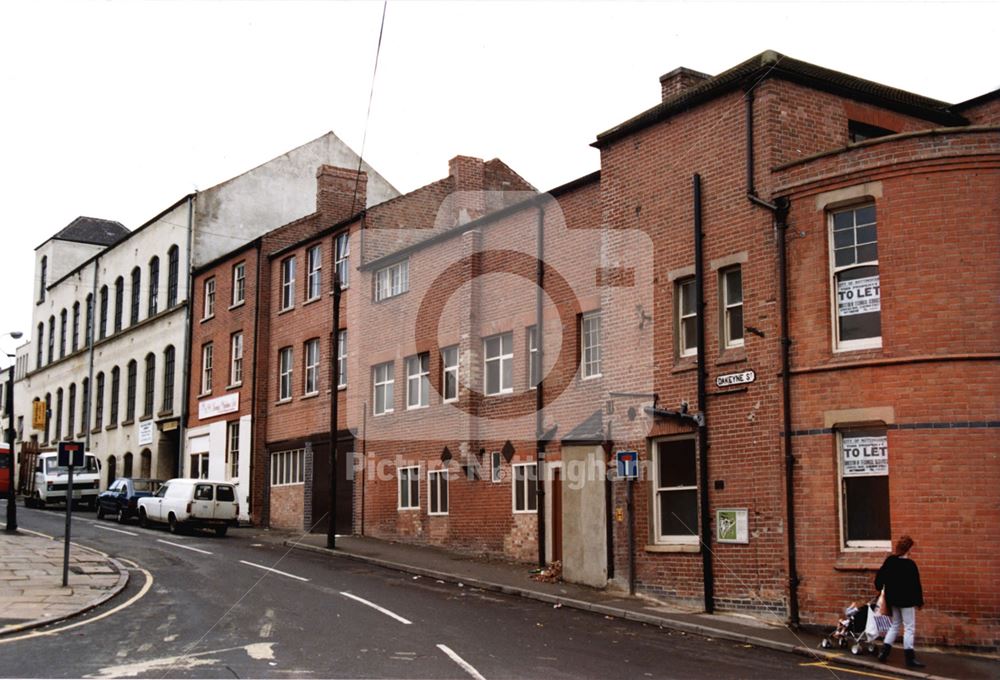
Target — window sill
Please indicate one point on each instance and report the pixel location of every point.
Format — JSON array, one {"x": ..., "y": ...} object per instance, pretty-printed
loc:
[
  {"x": 131, "y": 421},
  {"x": 685, "y": 364},
  {"x": 96, "y": 430},
  {"x": 148, "y": 416},
  {"x": 236, "y": 305},
  {"x": 286, "y": 310},
  {"x": 525, "y": 512},
  {"x": 673, "y": 548},
  {"x": 204, "y": 394},
  {"x": 417, "y": 408},
  {"x": 341, "y": 388},
  {"x": 311, "y": 300},
  {"x": 417, "y": 509},
  {"x": 437, "y": 514},
  {"x": 165, "y": 413},
  {"x": 343, "y": 287},
  {"x": 383, "y": 413},
  {"x": 585, "y": 378},
  {"x": 860, "y": 559},
  {"x": 731, "y": 356},
  {"x": 207, "y": 318},
  {"x": 862, "y": 346},
  {"x": 286, "y": 400},
  {"x": 112, "y": 426},
  {"x": 309, "y": 395},
  {"x": 234, "y": 386}
]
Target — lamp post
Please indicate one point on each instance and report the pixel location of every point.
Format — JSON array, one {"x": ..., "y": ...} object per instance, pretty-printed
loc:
[{"x": 9, "y": 400}]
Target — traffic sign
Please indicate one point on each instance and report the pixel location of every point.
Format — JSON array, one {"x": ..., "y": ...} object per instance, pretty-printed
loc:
[
  {"x": 628, "y": 464},
  {"x": 70, "y": 453}
]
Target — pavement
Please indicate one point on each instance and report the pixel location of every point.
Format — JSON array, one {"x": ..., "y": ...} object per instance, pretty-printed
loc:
[
  {"x": 31, "y": 590},
  {"x": 515, "y": 578}
]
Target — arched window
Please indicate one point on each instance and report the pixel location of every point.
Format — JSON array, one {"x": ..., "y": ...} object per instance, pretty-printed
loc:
[
  {"x": 48, "y": 415},
  {"x": 90, "y": 320},
  {"x": 40, "y": 345},
  {"x": 62, "y": 333},
  {"x": 154, "y": 283},
  {"x": 59, "y": 413},
  {"x": 145, "y": 464},
  {"x": 116, "y": 383},
  {"x": 99, "y": 401},
  {"x": 130, "y": 390},
  {"x": 150, "y": 386},
  {"x": 119, "y": 302},
  {"x": 127, "y": 465},
  {"x": 136, "y": 283},
  {"x": 71, "y": 412},
  {"x": 76, "y": 326},
  {"x": 85, "y": 399},
  {"x": 173, "y": 265},
  {"x": 112, "y": 470},
  {"x": 168, "y": 378},
  {"x": 52, "y": 338},
  {"x": 43, "y": 279},
  {"x": 102, "y": 319}
]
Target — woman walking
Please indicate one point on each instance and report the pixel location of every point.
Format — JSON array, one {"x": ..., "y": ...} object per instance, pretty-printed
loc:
[{"x": 900, "y": 578}]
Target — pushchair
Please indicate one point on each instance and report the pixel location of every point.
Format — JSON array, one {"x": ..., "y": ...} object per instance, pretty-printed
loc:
[{"x": 860, "y": 629}]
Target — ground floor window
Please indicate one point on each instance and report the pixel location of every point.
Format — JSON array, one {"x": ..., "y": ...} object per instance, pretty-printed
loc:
[
  {"x": 288, "y": 467},
  {"x": 525, "y": 487},
  {"x": 409, "y": 487},
  {"x": 864, "y": 483},
  {"x": 675, "y": 487},
  {"x": 199, "y": 466},
  {"x": 437, "y": 492}
]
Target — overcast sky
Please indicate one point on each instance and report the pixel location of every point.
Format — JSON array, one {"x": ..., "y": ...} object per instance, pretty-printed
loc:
[{"x": 117, "y": 109}]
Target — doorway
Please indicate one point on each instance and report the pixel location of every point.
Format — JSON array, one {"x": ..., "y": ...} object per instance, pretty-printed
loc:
[{"x": 584, "y": 516}]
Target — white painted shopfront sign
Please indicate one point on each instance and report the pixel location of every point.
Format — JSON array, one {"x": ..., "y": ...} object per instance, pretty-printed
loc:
[
  {"x": 865, "y": 456},
  {"x": 859, "y": 296},
  {"x": 228, "y": 403}
]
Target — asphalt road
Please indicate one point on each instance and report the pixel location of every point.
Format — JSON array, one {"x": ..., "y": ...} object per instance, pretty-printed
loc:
[{"x": 201, "y": 606}]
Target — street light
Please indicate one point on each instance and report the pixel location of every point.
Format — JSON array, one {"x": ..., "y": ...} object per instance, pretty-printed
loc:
[{"x": 9, "y": 398}]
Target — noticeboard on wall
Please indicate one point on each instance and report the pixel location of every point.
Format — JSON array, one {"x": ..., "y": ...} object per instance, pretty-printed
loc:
[{"x": 732, "y": 525}]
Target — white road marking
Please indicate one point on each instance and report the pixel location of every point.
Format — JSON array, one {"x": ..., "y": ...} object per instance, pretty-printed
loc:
[
  {"x": 377, "y": 608},
  {"x": 119, "y": 531},
  {"x": 276, "y": 571},
  {"x": 168, "y": 664},
  {"x": 466, "y": 666},
  {"x": 186, "y": 547}
]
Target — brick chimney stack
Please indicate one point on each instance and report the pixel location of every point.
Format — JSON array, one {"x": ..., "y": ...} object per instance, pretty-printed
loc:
[
  {"x": 335, "y": 192},
  {"x": 678, "y": 80},
  {"x": 469, "y": 200}
]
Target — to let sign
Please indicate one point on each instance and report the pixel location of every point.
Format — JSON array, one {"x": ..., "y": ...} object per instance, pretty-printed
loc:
[
  {"x": 865, "y": 456},
  {"x": 730, "y": 379}
]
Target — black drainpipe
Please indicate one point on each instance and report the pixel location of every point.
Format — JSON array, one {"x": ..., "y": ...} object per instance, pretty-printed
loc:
[
  {"x": 699, "y": 285},
  {"x": 540, "y": 387},
  {"x": 780, "y": 209}
]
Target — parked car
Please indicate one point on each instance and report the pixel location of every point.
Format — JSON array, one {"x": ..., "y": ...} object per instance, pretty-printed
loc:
[
  {"x": 121, "y": 500},
  {"x": 194, "y": 503}
]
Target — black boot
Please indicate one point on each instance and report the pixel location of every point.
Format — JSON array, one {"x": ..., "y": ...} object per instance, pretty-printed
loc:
[
  {"x": 911, "y": 659},
  {"x": 884, "y": 653}
]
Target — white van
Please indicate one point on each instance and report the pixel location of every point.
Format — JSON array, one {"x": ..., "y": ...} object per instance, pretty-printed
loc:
[
  {"x": 50, "y": 480},
  {"x": 195, "y": 503}
]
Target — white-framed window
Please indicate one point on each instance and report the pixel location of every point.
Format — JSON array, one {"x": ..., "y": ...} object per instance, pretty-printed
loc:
[
  {"x": 498, "y": 359},
  {"x": 418, "y": 380},
  {"x": 675, "y": 486},
  {"x": 534, "y": 368},
  {"x": 409, "y": 487},
  {"x": 731, "y": 290},
  {"x": 392, "y": 280},
  {"x": 449, "y": 374},
  {"x": 239, "y": 283},
  {"x": 314, "y": 270},
  {"x": 311, "y": 385},
  {"x": 236, "y": 358},
  {"x": 864, "y": 483},
  {"x": 284, "y": 373},
  {"x": 382, "y": 379},
  {"x": 496, "y": 467},
  {"x": 343, "y": 258},
  {"x": 208, "y": 309},
  {"x": 687, "y": 329},
  {"x": 525, "y": 487},
  {"x": 342, "y": 358},
  {"x": 288, "y": 467},
  {"x": 437, "y": 492},
  {"x": 857, "y": 299},
  {"x": 233, "y": 449},
  {"x": 288, "y": 283},
  {"x": 206, "y": 368},
  {"x": 590, "y": 344}
]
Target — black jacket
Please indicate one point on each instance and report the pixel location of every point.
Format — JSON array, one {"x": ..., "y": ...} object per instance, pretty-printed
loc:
[{"x": 901, "y": 580}]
